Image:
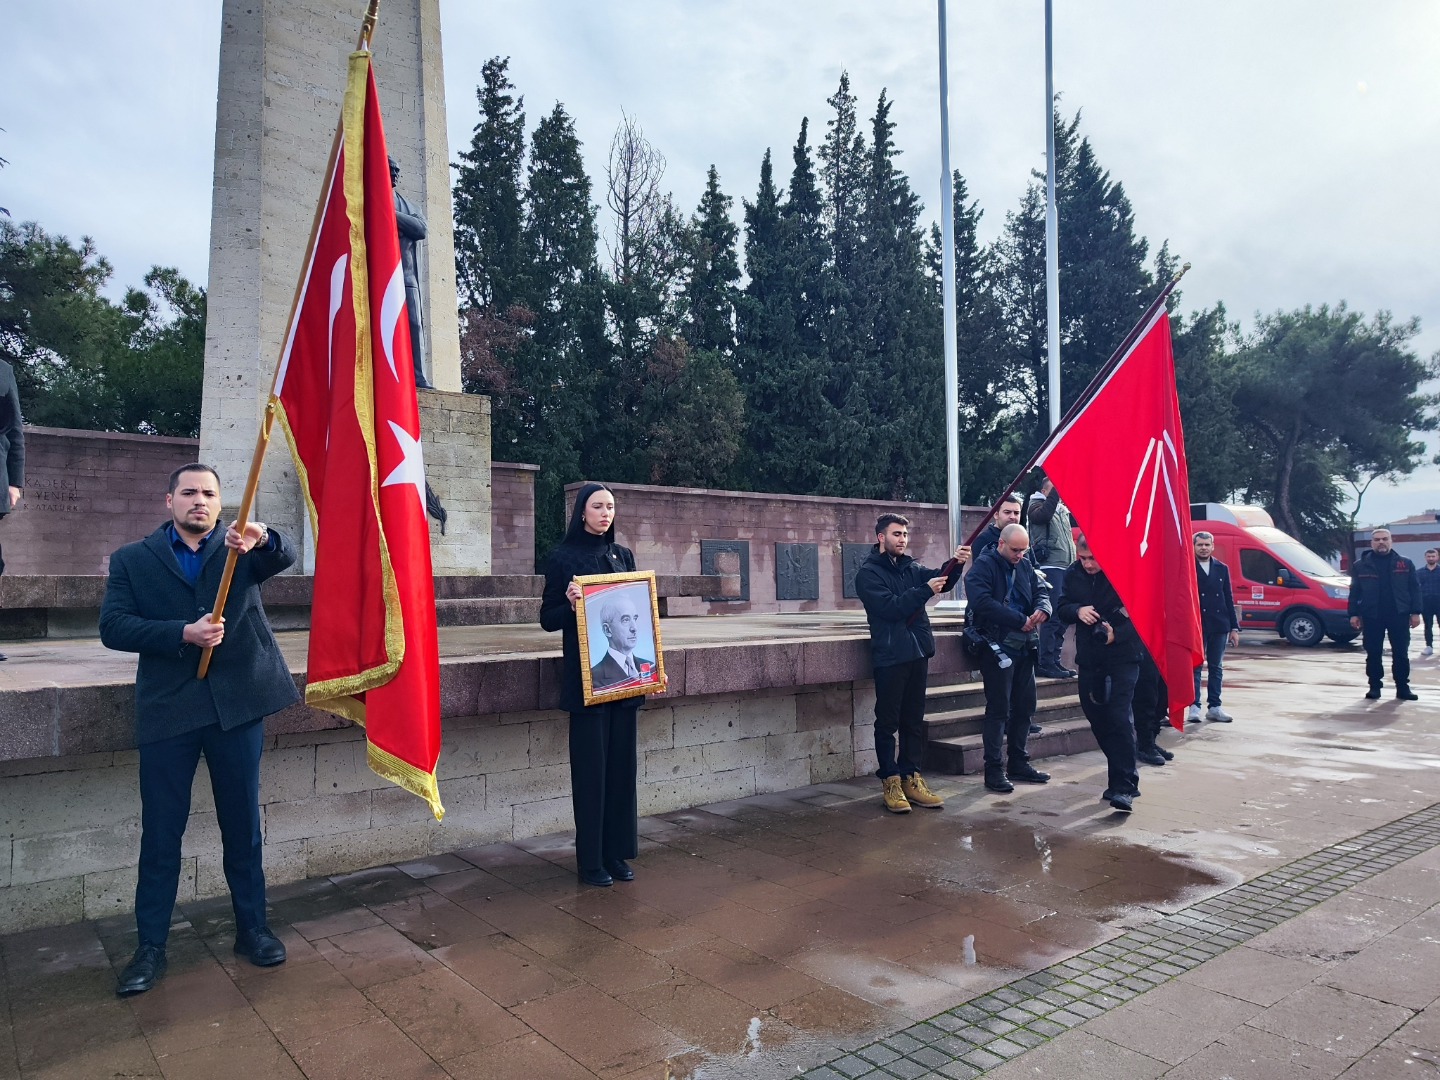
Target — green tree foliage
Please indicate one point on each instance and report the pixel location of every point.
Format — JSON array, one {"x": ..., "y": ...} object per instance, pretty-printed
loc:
[
  {"x": 710, "y": 292},
  {"x": 490, "y": 264},
  {"x": 84, "y": 362},
  {"x": 1323, "y": 393},
  {"x": 1104, "y": 283}
]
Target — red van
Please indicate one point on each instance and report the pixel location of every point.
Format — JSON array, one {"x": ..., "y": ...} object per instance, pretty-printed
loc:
[{"x": 1279, "y": 583}]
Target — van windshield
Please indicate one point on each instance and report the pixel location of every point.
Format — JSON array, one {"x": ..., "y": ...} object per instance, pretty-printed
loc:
[{"x": 1303, "y": 559}]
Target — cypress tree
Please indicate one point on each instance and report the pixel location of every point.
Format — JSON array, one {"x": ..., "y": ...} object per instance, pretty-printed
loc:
[{"x": 714, "y": 269}]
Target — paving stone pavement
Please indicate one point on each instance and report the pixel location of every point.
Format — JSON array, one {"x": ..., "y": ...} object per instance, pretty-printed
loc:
[{"x": 1271, "y": 910}]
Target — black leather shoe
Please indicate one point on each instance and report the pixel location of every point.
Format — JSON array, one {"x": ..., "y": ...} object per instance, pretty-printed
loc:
[
  {"x": 143, "y": 971},
  {"x": 260, "y": 947},
  {"x": 3, "y": 656},
  {"x": 1070, "y": 673},
  {"x": 620, "y": 870},
  {"x": 1150, "y": 756},
  {"x": 1051, "y": 673},
  {"x": 1034, "y": 729},
  {"x": 1107, "y": 795},
  {"x": 1166, "y": 754},
  {"x": 1123, "y": 803},
  {"x": 1027, "y": 774},
  {"x": 996, "y": 781},
  {"x": 601, "y": 878},
  {"x": 1374, "y": 694}
]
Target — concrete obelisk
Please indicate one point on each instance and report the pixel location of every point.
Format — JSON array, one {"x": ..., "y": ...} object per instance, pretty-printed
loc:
[{"x": 282, "y": 79}]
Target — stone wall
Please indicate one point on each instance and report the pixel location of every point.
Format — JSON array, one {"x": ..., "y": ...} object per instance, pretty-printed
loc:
[
  {"x": 678, "y": 530},
  {"x": 512, "y": 517},
  {"x": 71, "y": 825},
  {"x": 86, "y": 493}
]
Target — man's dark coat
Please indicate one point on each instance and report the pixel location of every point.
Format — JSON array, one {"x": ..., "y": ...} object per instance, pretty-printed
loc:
[{"x": 147, "y": 604}]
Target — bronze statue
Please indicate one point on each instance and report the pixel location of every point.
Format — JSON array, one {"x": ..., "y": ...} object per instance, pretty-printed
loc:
[{"x": 412, "y": 231}]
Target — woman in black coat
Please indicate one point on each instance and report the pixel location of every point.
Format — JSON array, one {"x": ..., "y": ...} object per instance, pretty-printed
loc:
[{"x": 602, "y": 737}]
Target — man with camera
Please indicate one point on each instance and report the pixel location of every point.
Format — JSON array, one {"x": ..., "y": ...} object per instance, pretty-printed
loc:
[
  {"x": 894, "y": 589},
  {"x": 1008, "y": 601},
  {"x": 1108, "y": 650}
]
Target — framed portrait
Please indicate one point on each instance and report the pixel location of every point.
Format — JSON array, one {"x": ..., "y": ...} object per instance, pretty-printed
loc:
[{"x": 619, "y": 622}]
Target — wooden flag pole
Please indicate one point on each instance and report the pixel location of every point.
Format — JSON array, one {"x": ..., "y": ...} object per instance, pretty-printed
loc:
[
  {"x": 1084, "y": 399},
  {"x": 267, "y": 423}
]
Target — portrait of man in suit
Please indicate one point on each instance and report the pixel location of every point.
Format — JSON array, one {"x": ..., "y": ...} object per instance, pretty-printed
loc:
[{"x": 621, "y": 621}]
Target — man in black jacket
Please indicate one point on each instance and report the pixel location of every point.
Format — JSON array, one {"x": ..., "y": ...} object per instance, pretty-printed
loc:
[
  {"x": 1219, "y": 624},
  {"x": 1429, "y": 578},
  {"x": 1008, "y": 602},
  {"x": 894, "y": 589},
  {"x": 1007, "y": 514},
  {"x": 1108, "y": 651},
  {"x": 157, "y": 603},
  {"x": 12, "y": 448},
  {"x": 1385, "y": 600}
]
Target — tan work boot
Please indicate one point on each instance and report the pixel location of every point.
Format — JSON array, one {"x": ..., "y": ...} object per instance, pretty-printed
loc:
[
  {"x": 895, "y": 800},
  {"x": 918, "y": 793}
]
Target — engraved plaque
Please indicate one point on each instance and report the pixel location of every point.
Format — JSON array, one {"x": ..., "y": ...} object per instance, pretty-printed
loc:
[
  {"x": 727, "y": 557},
  {"x": 851, "y": 556},
  {"x": 797, "y": 572}
]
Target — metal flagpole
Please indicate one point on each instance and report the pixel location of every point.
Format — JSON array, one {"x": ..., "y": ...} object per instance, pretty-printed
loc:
[
  {"x": 1052, "y": 239},
  {"x": 947, "y": 262}
]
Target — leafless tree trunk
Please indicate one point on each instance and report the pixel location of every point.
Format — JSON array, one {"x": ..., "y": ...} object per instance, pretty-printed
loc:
[{"x": 633, "y": 194}]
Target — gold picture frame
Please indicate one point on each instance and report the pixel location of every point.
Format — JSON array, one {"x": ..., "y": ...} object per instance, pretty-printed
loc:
[{"x": 618, "y": 619}]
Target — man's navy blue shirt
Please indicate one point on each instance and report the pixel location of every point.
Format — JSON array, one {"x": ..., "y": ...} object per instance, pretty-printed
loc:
[{"x": 190, "y": 561}]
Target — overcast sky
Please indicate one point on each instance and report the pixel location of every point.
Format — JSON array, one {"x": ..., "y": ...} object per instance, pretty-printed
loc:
[{"x": 1288, "y": 149}]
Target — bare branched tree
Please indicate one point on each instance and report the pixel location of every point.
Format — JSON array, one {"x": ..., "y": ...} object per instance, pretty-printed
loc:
[{"x": 633, "y": 194}]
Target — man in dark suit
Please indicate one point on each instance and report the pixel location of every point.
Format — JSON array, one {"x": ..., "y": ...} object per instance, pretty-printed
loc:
[
  {"x": 620, "y": 621},
  {"x": 12, "y": 447},
  {"x": 1219, "y": 625},
  {"x": 1385, "y": 602},
  {"x": 157, "y": 603}
]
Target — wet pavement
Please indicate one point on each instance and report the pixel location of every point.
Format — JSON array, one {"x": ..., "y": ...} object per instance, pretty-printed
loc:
[{"x": 1271, "y": 909}]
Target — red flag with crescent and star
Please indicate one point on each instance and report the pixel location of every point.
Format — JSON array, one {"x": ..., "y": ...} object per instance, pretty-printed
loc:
[
  {"x": 1119, "y": 463},
  {"x": 345, "y": 395}
]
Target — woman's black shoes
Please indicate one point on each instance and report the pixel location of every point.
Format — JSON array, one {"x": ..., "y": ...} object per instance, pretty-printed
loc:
[
  {"x": 620, "y": 870},
  {"x": 600, "y": 878}
]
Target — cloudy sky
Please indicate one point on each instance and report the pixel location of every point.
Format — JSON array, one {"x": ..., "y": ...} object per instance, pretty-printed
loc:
[{"x": 1288, "y": 149}]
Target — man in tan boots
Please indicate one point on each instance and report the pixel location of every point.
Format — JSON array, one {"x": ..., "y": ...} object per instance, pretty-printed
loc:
[{"x": 894, "y": 589}]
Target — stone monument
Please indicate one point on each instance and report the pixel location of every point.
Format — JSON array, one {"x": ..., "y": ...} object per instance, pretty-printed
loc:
[{"x": 282, "y": 79}]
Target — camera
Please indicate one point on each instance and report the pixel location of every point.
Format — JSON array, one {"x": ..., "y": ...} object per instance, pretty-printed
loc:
[
  {"x": 1101, "y": 632},
  {"x": 976, "y": 643}
]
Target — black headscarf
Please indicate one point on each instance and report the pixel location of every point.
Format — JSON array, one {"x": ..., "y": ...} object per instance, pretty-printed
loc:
[{"x": 577, "y": 533}]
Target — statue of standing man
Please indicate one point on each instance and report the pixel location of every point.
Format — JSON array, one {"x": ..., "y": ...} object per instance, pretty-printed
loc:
[{"x": 412, "y": 231}]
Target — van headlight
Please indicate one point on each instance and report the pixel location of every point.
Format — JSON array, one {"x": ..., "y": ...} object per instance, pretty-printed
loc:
[{"x": 1337, "y": 592}]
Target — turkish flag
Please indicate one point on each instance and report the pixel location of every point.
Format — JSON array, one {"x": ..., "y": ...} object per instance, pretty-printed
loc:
[
  {"x": 345, "y": 396},
  {"x": 1119, "y": 463}
]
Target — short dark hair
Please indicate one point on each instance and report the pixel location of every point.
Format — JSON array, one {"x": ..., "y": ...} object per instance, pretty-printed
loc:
[
  {"x": 194, "y": 466},
  {"x": 1432, "y": 551},
  {"x": 1080, "y": 542},
  {"x": 1012, "y": 497},
  {"x": 884, "y": 521}
]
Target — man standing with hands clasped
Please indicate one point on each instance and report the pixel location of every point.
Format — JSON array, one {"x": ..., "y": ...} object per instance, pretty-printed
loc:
[
  {"x": 894, "y": 589},
  {"x": 158, "y": 603},
  {"x": 1385, "y": 601},
  {"x": 1219, "y": 625}
]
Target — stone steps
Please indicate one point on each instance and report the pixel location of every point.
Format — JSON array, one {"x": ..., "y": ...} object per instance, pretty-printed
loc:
[{"x": 954, "y": 725}]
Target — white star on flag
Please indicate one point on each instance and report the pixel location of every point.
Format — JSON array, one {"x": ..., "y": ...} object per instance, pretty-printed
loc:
[{"x": 411, "y": 469}]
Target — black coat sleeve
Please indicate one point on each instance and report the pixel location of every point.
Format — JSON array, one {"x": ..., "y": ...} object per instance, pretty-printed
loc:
[
  {"x": 1229, "y": 596},
  {"x": 15, "y": 433},
  {"x": 884, "y": 605},
  {"x": 1042, "y": 511},
  {"x": 1075, "y": 595},
  {"x": 555, "y": 609},
  {"x": 123, "y": 628},
  {"x": 985, "y": 593}
]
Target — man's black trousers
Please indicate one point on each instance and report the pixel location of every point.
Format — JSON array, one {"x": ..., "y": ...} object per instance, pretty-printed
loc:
[
  {"x": 1431, "y": 604},
  {"x": 1009, "y": 707},
  {"x": 1373, "y": 635},
  {"x": 900, "y": 706},
  {"x": 167, "y": 773},
  {"x": 602, "y": 783},
  {"x": 1106, "y": 695}
]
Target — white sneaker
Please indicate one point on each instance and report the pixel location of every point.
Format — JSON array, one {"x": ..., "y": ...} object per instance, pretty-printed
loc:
[
  {"x": 1192, "y": 714},
  {"x": 1427, "y": 651},
  {"x": 1216, "y": 713}
]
